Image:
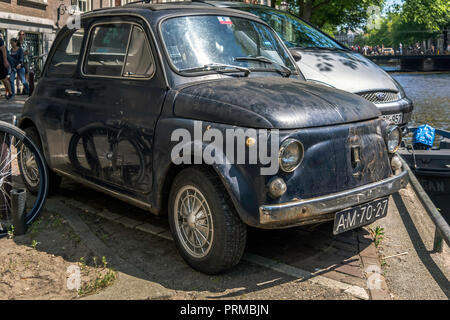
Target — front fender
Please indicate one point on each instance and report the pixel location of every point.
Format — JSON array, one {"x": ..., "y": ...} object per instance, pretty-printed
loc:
[{"x": 245, "y": 188}]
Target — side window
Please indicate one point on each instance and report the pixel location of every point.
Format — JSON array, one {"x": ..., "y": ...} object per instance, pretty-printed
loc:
[
  {"x": 139, "y": 59},
  {"x": 119, "y": 50},
  {"x": 64, "y": 61},
  {"x": 108, "y": 46}
]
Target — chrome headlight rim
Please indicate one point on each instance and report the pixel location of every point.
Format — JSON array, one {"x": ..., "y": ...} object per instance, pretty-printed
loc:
[
  {"x": 389, "y": 130},
  {"x": 283, "y": 146}
]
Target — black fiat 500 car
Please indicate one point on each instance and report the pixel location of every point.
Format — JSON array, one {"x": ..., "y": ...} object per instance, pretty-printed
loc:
[{"x": 201, "y": 114}]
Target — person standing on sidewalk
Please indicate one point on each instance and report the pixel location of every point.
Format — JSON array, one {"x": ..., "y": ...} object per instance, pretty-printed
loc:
[
  {"x": 4, "y": 68},
  {"x": 23, "y": 44},
  {"x": 17, "y": 67}
]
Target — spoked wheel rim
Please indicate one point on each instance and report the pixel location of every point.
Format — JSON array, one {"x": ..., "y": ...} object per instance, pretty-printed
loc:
[
  {"x": 193, "y": 221},
  {"x": 29, "y": 166}
]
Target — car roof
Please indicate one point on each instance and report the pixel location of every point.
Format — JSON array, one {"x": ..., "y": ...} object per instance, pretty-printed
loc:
[
  {"x": 230, "y": 4},
  {"x": 169, "y": 8}
]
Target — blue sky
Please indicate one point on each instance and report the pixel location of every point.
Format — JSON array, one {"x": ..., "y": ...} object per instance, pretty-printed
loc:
[{"x": 392, "y": 2}]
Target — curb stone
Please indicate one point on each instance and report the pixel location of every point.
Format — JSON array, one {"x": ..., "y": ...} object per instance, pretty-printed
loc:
[{"x": 372, "y": 269}]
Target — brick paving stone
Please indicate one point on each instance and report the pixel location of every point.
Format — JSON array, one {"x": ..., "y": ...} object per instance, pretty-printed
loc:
[
  {"x": 129, "y": 223},
  {"x": 109, "y": 215},
  {"x": 369, "y": 251},
  {"x": 166, "y": 235},
  {"x": 370, "y": 261},
  {"x": 150, "y": 228},
  {"x": 342, "y": 277},
  {"x": 354, "y": 271}
]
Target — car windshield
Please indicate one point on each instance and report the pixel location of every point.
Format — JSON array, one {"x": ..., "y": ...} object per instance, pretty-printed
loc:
[
  {"x": 207, "y": 43},
  {"x": 294, "y": 31}
]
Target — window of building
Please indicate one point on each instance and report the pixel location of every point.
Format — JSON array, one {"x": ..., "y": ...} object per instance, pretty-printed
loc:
[
  {"x": 64, "y": 61},
  {"x": 82, "y": 5}
]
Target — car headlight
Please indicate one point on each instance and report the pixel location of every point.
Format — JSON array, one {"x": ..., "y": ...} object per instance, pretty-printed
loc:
[
  {"x": 393, "y": 138},
  {"x": 290, "y": 155},
  {"x": 401, "y": 92}
]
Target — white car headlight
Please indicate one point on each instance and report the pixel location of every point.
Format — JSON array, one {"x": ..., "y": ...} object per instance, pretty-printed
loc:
[
  {"x": 393, "y": 138},
  {"x": 290, "y": 155}
]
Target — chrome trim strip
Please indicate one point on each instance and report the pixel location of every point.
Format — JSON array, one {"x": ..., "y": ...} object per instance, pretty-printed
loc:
[
  {"x": 309, "y": 210},
  {"x": 128, "y": 199}
]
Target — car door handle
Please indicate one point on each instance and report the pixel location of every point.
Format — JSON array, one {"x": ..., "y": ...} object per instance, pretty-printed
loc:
[{"x": 73, "y": 92}]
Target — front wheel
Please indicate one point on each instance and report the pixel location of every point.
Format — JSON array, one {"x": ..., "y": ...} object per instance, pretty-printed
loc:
[{"x": 206, "y": 228}]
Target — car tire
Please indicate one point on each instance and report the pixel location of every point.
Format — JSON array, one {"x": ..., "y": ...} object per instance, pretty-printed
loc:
[
  {"x": 205, "y": 207},
  {"x": 54, "y": 179}
]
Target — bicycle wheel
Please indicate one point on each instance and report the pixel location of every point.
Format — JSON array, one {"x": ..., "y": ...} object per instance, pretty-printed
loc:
[{"x": 20, "y": 161}]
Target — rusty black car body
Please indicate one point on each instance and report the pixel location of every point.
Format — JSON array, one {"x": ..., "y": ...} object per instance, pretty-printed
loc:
[{"x": 112, "y": 131}]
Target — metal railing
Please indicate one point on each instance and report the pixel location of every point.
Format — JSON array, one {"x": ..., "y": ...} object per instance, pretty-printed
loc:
[{"x": 442, "y": 231}]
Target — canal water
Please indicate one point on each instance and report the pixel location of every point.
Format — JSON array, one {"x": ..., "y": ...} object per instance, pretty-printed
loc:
[{"x": 430, "y": 93}]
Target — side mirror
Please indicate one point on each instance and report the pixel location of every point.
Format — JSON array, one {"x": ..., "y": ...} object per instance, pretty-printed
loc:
[{"x": 296, "y": 55}]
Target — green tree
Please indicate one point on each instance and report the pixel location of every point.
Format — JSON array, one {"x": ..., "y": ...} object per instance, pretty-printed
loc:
[
  {"x": 432, "y": 15},
  {"x": 333, "y": 13}
]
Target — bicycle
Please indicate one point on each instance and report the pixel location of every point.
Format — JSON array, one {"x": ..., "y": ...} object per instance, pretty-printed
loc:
[
  {"x": 22, "y": 168},
  {"x": 125, "y": 159}
]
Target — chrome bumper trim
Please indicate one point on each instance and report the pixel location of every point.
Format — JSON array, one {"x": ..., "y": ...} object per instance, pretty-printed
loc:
[{"x": 320, "y": 209}]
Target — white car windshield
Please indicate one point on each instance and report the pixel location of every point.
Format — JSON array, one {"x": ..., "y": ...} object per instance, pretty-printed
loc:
[
  {"x": 293, "y": 31},
  {"x": 196, "y": 42}
]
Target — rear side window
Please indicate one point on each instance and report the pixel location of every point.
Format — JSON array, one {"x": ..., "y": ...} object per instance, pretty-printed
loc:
[
  {"x": 108, "y": 47},
  {"x": 64, "y": 61},
  {"x": 139, "y": 61},
  {"x": 119, "y": 50}
]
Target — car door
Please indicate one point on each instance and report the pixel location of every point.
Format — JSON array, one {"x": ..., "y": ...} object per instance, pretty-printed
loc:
[
  {"x": 115, "y": 103},
  {"x": 49, "y": 99}
]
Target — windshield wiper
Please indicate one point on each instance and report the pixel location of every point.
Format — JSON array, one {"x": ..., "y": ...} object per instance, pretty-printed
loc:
[
  {"x": 218, "y": 67},
  {"x": 321, "y": 48},
  {"x": 285, "y": 71}
]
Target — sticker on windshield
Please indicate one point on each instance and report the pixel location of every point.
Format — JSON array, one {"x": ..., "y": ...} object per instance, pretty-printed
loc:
[{"x": 224, "y": 20}]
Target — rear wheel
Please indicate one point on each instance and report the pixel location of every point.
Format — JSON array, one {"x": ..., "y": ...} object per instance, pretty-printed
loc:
[
  {"x": 17, "y": 207},
  {"x": 28, "y": 168},
  {"x": 207, "y": 231}
]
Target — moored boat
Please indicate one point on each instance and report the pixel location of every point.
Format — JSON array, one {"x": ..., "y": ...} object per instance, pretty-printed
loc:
[{"x": 431, "y": 165}]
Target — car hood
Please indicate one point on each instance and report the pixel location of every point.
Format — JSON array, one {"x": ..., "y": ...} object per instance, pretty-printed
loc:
[
  {"x": 270, "y": 102},
  {"x": 344, "y": 70}
]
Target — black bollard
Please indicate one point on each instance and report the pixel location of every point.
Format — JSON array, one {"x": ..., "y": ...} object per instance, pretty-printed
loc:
[
  {"x": 31, "y": 82},
  {"x": 18, "y": 213}
]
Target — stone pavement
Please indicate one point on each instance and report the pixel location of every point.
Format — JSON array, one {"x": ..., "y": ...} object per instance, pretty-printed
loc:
[
  {"x": 12, "y": 107},
  {"x": 313, "y": 256}
]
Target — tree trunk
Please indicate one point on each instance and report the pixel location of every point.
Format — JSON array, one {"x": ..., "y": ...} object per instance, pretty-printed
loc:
[
  {"x": 305, "y": 8},
  {"x": 445, "y": 39}
]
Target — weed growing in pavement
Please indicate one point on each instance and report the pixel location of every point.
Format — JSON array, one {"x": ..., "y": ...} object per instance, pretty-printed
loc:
[
  {"x": 34, "y": 244},
  {"x": 105, "y": 277},
  {"x": 377, "y": 235},
  {"x": 82, "y": 263},
  {"x": 11, "y": 232},
  {"x": 34, "y": 228}
]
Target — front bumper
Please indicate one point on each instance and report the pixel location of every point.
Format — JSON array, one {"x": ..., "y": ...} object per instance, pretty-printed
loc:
[{"x": 320, "y": 209}]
